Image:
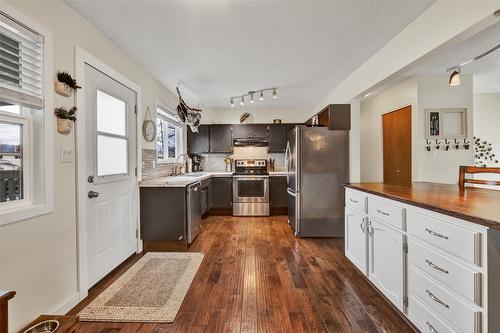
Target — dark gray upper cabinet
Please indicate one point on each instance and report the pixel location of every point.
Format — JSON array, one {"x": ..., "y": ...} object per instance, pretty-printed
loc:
[
  {"x": 221, "y": 192},
  {"x": 250, "y": 130},
  {"x": 220, "y": 138},
  {"x": 277, "y": 192},
  {"x": 199, "y": 142},
  {"x": 277, "y": 138}
]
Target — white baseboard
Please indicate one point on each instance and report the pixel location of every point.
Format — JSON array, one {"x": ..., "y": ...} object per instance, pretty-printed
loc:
[{"x": 69, "y": 304}]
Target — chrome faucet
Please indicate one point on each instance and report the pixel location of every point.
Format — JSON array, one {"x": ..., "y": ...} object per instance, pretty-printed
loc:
[{"x": 184, "y": 163}]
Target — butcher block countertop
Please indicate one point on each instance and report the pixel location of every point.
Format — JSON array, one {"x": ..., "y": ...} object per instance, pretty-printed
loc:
[{"x": 480, "y": 206}]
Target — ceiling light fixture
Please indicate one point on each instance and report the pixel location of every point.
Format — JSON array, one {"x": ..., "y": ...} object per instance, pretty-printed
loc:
[
  {"x": 455, "y": 78},
  {"x": 455, "y": 75},
  {"x": 251, "y": 94}
]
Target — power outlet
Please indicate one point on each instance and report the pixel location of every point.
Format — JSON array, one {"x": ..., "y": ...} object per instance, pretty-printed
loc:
[{"x": 67, "y": 155}]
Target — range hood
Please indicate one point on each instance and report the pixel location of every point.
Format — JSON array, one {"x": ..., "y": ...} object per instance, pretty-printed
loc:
[{"x": 250, "y": 142}]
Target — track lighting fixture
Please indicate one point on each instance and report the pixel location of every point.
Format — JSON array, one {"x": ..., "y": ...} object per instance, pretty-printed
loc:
[
  {"x": 251, "y": 94},
  {"x": 455, "y": 78},
  {"x": 455, "y": 75}
]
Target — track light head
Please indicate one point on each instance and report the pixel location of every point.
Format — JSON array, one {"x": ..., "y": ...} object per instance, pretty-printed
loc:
[
  {"x": 242, "y": 101},
  {"x": 232, "y": 103},
  {"x": 261, "y": 98},
  {"x": 274, "y": 93},
  {"x": 455, "y": 78},
  {"x": 251, "y": 98}
]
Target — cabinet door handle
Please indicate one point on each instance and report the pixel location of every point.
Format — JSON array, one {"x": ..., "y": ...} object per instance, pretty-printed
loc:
[
  {"x": 433, "y": 233},
  {"x": 382, "y": 212},
  {"x": 362, "y": 226},
  {"x": 436, "y": 267},
  {"x": 431, "y": 328},
  {"x": 435, "y": 299}
]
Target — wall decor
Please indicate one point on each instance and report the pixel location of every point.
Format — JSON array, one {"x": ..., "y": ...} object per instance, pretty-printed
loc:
[
  {"x": 186, "y": 114},
  {"x": 246, "y": 118},
  {"x": 65, "y": 119},
  {"x": 441, "y": 123},
  {"x": 65, "y": 85},
  {"x": 149, "y": 127},
  {"x": 483, "y": 153}
]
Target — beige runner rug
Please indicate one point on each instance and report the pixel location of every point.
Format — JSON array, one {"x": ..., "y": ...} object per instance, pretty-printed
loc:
[{"x": 152, "y": 290}]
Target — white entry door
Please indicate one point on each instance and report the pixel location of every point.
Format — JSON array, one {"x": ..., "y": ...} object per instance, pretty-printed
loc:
[{"x": 112, "y": 189}]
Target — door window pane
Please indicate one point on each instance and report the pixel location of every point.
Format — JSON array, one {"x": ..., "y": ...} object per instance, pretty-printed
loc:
[
  {"x": 172, "y": 140},
  {"x": 11, "y": 173},
  {"x": 111, "y": 114},
  {"x": 112, "y": 155}
]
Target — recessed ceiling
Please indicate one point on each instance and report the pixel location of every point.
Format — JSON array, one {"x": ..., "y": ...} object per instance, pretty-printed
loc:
[{"x": 218, "y": 49}]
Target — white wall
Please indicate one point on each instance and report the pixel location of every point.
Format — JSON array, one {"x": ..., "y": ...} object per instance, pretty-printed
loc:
[
  {"x": 434, "y": 92},
  {"x": 487, "y": 121},
  {"x": 38, "y": 256},
  {"x": 232, "y": 116},
  {"x": 372, "y": 109}
]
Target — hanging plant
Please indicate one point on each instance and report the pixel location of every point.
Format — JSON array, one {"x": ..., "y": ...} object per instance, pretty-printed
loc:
[
  {"x": 67, "y": 79},
  {"x": 65, "y": 119}
]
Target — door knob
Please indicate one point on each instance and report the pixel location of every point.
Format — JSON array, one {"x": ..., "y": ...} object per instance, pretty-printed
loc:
[{"x": 92, "y": 194}]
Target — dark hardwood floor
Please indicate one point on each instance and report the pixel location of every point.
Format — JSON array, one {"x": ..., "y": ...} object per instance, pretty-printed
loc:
[{"x": 257, "y": 277}]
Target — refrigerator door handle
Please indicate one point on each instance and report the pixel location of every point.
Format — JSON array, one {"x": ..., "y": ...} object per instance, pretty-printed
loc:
[
  {"x": 287, "y": 160},
  {"x": 293, "y": 194}
]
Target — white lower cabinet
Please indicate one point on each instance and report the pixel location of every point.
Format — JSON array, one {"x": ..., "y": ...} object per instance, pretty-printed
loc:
[
  {"x": 386, "y": 261},
  {"x": 425, "y": 319},
  {"x": 356, "y": 239}
]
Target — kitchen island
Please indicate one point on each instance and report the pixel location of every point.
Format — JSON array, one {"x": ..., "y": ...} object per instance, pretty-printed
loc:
[{"x": 431, "y": 250}]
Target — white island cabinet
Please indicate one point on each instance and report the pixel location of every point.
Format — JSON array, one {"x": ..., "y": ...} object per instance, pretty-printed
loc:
[{"x": 433, "y": 267}]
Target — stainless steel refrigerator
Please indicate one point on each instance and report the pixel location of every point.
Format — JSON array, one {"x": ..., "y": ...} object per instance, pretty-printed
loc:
[{"x": 317, "y": 162}]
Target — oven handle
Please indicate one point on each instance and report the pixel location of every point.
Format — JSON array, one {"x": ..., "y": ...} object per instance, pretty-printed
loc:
[{"x": 251, "y": 177}]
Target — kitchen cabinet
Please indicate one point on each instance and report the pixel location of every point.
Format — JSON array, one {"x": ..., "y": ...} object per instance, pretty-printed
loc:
[
  {"x": 356, "y": 247},
  {"x": 277, "y": 137},
  {"x": 334, "y": 116},
  {"x": 163, "y": 213},
  {"x": 199, "y": 143},
  {"x": 250, "y": 131},
  {"x": 220, "y": 138},
  {"x": 386, "y": 261},
  {"x": 221, "y": 193},
  {"x": 278, "y": 196},
  {"x": 205, "y": 189}
]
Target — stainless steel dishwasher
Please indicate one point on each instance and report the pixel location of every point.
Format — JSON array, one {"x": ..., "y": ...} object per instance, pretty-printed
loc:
[{"x": 193, "y": 211}]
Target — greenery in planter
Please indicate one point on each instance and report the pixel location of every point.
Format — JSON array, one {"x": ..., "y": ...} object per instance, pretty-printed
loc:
[
  {"x": 62, "y": 113},
  {"x": 68, "y": 80}
]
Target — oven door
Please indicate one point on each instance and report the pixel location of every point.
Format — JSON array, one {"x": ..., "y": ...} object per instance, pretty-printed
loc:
[{"x": 250, "y": 188}]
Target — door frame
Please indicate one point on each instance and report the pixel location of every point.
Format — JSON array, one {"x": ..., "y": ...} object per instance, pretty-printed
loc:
[{"x": 81, "y": 59}]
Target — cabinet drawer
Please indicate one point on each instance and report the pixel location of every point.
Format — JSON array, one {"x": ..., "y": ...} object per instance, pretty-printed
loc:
[
  {"x": 355, "y": 199},
  {"x": 388, "y": 213},
  {"x": 425, "y": 319},
  {"x": 455, "y": 276},
  {"x": 461, "y": 242},
  {"x": 463, "y": 316}
]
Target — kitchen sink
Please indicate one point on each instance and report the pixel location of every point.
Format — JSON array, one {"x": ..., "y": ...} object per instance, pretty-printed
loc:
[{"x": 46, "y": 326}]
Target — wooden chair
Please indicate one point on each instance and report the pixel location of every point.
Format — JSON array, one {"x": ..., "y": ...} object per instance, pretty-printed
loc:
[
  {"x": 463, "y": 180},
  {"x": 5, "y": 296}
]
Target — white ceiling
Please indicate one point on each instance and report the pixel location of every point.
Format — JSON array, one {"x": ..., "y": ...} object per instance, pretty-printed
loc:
[
  {"x": 218, "y": 49},
  {"x": 486, "y": 71}
]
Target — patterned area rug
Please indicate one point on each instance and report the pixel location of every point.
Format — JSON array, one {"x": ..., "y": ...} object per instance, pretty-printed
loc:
[{"x": 150, "y": 291}]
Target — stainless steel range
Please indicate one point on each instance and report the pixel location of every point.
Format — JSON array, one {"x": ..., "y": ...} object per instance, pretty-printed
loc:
[{"x": 251, "y": 188}]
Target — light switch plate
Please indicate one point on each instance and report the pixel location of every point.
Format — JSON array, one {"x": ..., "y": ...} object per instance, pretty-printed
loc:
[{"x": 67, "y": 155}]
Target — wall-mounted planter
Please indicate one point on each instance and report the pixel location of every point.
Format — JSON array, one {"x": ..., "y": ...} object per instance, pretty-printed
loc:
[
  {"x": 64, "y": 126},
  {"x": 62, "y": 88}
]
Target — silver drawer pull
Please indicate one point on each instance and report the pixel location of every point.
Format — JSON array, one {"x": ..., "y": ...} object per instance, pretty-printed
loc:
[
  {"x": 354, "y": 201},
  {"x": 382, "y": 212},
  {"x": 433, "y": 233},
  {"x": 431, "y": 328},
  {"x": 436, "y": 267},
  {"x": 437, "y": 300}
]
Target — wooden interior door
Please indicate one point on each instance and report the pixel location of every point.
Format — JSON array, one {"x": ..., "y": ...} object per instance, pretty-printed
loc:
[{"x": 397, "y": 146}]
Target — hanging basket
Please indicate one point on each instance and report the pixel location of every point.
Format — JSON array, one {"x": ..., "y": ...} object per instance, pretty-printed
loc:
[
  {"x": 64, "y": 126},
  {"x": 62, "y": 88}
]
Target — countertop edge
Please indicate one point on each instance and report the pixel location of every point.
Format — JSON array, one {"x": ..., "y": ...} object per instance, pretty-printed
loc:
[{"x": 469, "y": 218}]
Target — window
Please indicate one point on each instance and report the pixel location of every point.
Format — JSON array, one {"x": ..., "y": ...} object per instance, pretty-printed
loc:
[
  {"x": 26, "y": 119},
  {"x": 169, "y": 138}
]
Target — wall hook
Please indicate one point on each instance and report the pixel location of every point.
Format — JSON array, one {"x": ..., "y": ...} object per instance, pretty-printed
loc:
[
  {"x": 427, "y": 145},
  {"x": 438, "y": 143},
  {"x": 447, "y": 144}
]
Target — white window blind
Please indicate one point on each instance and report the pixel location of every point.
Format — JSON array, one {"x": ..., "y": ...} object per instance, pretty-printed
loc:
[{"x": 21, "y": 64}]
